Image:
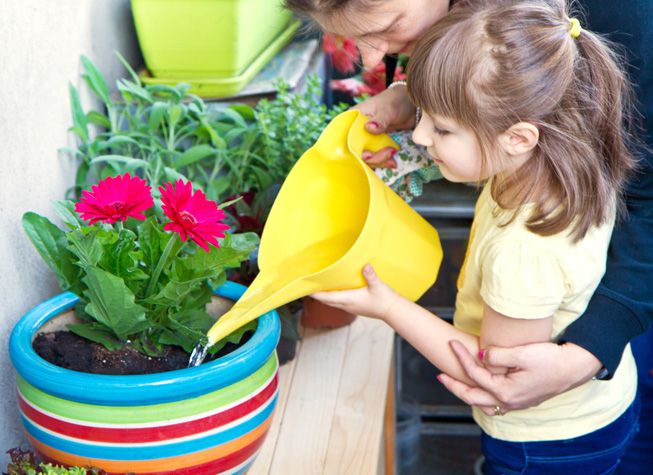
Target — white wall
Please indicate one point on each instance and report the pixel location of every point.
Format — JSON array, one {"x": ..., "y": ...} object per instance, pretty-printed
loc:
[{"x": 40, "y": 45}]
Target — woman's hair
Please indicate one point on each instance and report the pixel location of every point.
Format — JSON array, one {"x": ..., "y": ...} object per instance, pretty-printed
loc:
[
  {"x": 310, "y": 7},
  {"x": 490, "y": 64}
]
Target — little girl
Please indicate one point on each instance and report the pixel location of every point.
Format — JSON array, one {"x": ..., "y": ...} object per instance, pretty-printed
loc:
[{"x": 516, "y": 95}]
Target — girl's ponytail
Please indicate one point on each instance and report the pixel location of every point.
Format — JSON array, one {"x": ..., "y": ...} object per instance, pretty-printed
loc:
[{"x": 606, "y": 97}]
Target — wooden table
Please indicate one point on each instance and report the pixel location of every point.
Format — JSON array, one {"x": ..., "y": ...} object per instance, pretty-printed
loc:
[{"x": 335, "y": 412}]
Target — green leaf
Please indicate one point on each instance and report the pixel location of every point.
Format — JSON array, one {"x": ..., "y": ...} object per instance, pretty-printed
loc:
[
  {"x": 194, "y": 154},
  {"x": 95, "y": 118},
  {"x": 247, "y": 112},
  {"x": 244, "y": 242},
  {"x": 65, "y": 209},
  {"x": 121, "y": 256},
  {"x": 95, "y": 80},
  {"x": 151, "y": 240},
  {"x": 50, "y": 242},
  {"x": 80, "y": 122},
  {"x": 164, "y": 91},
  {"x": 129, "y": 164},
  {"x": 234, "y": 115},
  {"x": 217, "y": 141},
  {"x": 187, "y": 329},
  {"x": 174, "y": 291},
  {"x": 174, "y": 114},
  {"x": 134, "y": 90},
  {"x": 157, "y": 113},
  {"x": 129, "y": 69},
  {"x": 98, "y": 333},
  {"x": 112, "y": 304},
  {"x": 217, "y": 188},
  {"x": 265, "y": 180},
  {"x": 173, "y": 175},
  {"x": 116, "y": 141},
  {"x": 85, "y": 247}
]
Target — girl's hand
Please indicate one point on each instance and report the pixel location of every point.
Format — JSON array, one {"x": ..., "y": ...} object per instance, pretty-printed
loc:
[
  {"x": 388, "y": 111},
  {"x": 376, "y": 300}
]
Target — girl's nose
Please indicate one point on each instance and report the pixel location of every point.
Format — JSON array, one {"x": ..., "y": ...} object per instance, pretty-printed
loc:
[
  {"x": 421, "y": 135},
  {"x": 372, "y": 53}
]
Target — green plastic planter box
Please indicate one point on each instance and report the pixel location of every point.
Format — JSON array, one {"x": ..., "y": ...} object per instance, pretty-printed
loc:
[{"x": 186, "y": 39}]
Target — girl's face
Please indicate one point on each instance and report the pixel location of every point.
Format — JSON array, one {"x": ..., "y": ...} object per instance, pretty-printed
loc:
[
  {"x": 391, "y": 26},
  {"x": 454, "y": 149}
]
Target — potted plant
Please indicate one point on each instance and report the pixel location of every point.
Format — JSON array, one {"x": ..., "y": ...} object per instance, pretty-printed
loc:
[
  {"x": 165, "y": 133},
  {"x": 209, "y": 43},
  {"x": 140, "y": 280}
]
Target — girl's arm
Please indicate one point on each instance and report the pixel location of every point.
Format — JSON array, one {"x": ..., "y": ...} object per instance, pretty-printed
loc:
[{"x": 429, "y": 334}]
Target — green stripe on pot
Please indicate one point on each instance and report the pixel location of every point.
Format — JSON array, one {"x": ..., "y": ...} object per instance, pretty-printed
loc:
[{"x": 150, "y": 413}]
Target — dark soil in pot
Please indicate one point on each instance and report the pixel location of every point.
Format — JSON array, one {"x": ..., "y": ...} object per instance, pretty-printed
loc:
[{"x": 70, "y": 351}]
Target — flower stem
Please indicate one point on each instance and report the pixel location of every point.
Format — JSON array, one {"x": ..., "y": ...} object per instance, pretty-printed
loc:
[{"x": 161, "y": 264}]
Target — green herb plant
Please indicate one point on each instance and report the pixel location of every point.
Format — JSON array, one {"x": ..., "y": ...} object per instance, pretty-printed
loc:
[
  {"x": 25, "y": 462},
  {"x": 163, "y": 133}
]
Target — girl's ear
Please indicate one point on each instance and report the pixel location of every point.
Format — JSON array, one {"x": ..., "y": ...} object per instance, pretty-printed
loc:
[{"x": 520, "y": 138}]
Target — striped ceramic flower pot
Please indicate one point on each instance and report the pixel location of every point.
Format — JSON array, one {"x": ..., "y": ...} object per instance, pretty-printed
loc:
[{"x": 203, "y": 420}]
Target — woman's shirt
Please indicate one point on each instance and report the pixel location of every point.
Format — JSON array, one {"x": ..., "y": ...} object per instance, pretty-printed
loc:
[{"x": 524, "y": 275}]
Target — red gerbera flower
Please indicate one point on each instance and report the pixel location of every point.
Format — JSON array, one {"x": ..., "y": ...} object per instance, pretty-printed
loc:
[
  {"x": 192, "y": 215},
  {"x": 115, "y": 199},
  {"x": 343, "y": 52}
]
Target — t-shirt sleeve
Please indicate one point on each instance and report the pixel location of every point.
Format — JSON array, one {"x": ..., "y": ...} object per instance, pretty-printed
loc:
[{"x": 521, "y": 280}]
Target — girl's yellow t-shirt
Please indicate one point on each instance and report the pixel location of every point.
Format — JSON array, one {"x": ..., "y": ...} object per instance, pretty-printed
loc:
[{"x": 523, "y": 275}]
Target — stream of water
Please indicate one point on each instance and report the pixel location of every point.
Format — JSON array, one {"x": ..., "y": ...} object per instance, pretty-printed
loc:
[{"x": 198, "y": 355}]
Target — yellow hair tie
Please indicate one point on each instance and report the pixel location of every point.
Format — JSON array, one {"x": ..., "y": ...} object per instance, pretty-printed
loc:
[{"x": 575, "y": 28}]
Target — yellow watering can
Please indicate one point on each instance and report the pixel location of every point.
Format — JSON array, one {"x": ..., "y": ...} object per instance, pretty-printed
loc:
[{"x": 332, "y": 216}]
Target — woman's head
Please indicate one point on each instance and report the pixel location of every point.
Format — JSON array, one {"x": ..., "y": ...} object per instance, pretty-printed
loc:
[
  {"x": 378, "y": 26},
  {"x": 490, "y": 66}
]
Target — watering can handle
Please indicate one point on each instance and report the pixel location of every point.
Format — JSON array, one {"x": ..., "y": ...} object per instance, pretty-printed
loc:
[{"x": 360, "y": 139}]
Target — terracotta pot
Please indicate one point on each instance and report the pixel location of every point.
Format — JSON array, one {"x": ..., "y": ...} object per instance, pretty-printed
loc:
[
  {"x": 316, "y": 314},
  {"x": 203, "y": 420}
]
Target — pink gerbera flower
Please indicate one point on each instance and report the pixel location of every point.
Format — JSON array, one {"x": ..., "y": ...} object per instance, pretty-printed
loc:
[
  {"x": 115, "y": 199},
  {"x": 192, "y": 215},
  {"x": 343, "y": 52}
]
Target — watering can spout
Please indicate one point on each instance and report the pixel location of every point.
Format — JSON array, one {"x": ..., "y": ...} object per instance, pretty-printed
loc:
[
  {"x": 333, "y": 215},
  {"x": 266, "y": 293}
]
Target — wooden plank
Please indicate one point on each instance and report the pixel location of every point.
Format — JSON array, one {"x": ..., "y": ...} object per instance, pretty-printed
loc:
[
  {"x": 304, "y": 436},
  {"x": 355, "y": 443},
  {"x": 264, "y": 458}
]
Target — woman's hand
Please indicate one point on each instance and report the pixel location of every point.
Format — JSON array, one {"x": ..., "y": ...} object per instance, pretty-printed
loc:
[
  {"x": 537, "y": 372},
  {"x": 388, "y": 111},
  {"x": 376, "y": 300}
]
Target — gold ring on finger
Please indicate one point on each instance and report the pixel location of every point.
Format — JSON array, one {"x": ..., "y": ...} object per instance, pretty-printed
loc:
[{"x": 498, "y": 411}]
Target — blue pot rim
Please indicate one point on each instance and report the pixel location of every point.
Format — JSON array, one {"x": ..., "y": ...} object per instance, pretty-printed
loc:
[{"x": 134, "y": 390}]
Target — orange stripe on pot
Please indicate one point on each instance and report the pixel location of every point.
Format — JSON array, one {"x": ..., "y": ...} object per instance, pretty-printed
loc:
[{"x": 155, "y": 465}]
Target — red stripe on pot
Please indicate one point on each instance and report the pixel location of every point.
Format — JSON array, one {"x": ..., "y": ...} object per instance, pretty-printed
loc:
[{"x": 154, "y": 433}]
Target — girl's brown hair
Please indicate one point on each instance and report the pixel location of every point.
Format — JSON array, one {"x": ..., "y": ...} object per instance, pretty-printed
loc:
[{"x": 491, "y": 64}]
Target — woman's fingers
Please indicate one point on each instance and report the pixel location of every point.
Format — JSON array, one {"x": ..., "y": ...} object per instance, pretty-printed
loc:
[
  {"x": 471, "y": 395},
  {"x": 383, "y": 158}
]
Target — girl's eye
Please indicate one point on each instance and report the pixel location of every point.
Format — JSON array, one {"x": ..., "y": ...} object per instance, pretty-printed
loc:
[{"x": 440, "y": 131}]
